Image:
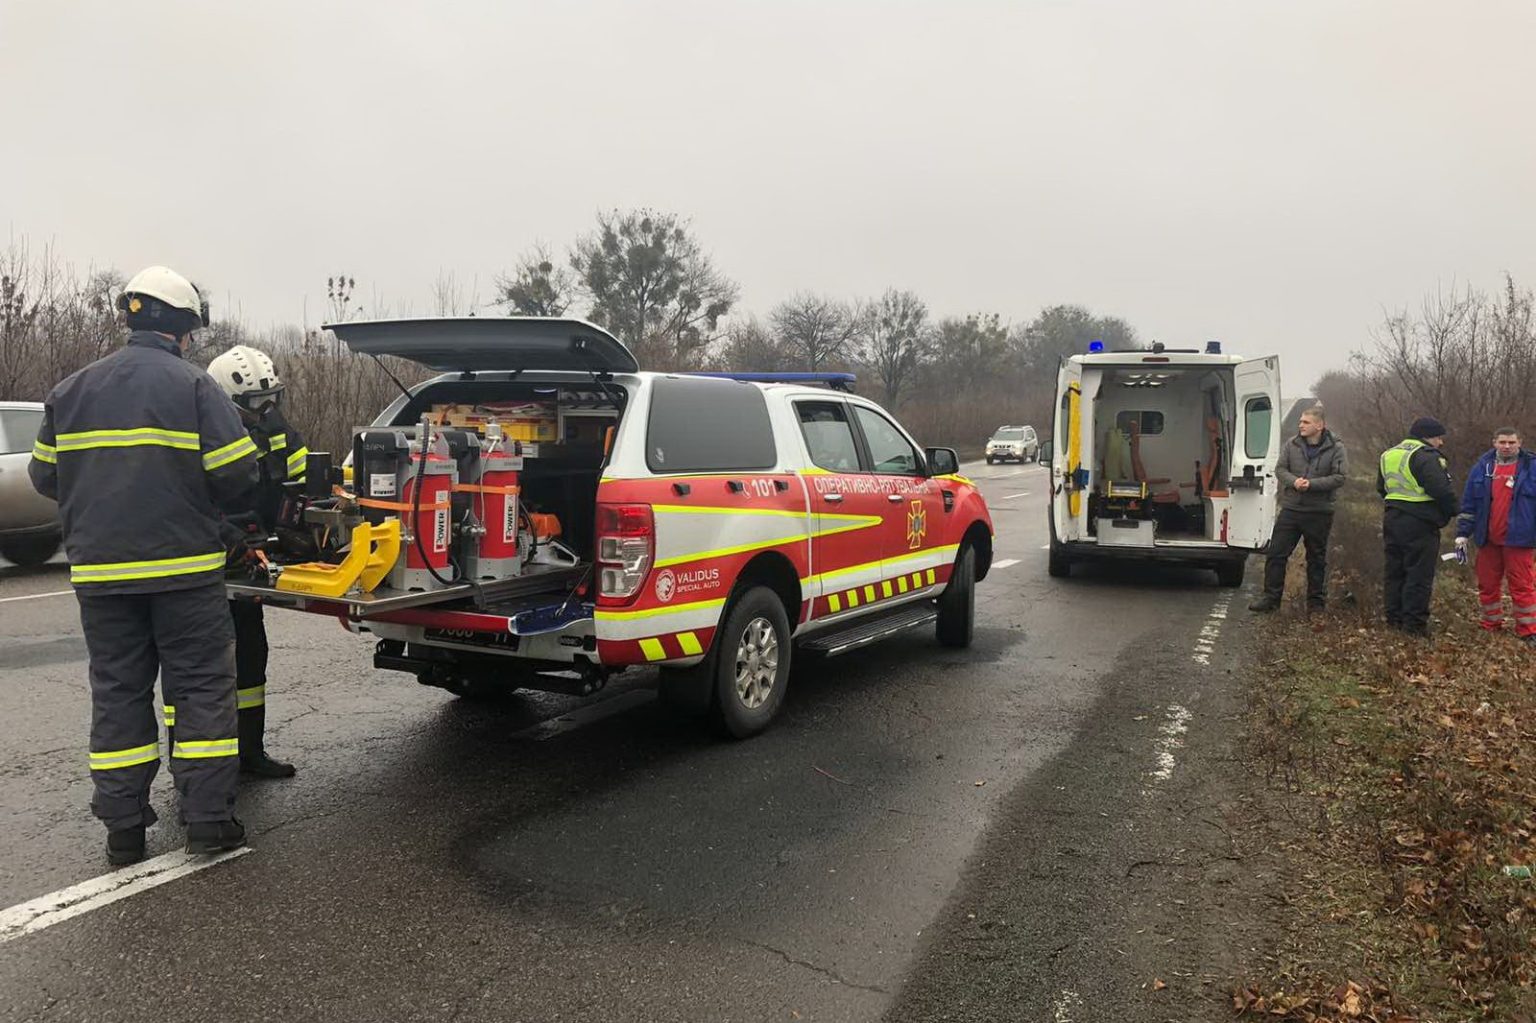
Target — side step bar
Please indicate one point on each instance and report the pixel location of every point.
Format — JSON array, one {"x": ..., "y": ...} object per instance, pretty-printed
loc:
[{"x": 869, "y": 630}]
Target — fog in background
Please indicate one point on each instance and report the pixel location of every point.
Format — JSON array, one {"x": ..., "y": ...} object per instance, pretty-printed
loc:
[{"x": 1272, "y": 174}]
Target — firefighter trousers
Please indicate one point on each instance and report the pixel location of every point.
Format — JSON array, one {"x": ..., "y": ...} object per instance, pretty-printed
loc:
[
  {"x": 1293, "y": 527},
  {"x": 250, "y": 679},
  {"x": 1412, "y": 555},
  {"x": 1496, "y": 563},
  {"x": 185, "y": 636}
]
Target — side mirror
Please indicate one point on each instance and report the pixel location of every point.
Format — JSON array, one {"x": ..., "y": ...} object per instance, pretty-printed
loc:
[
  {"x": 942, "y": 461},
  {"x": 1047, "y": 449}
]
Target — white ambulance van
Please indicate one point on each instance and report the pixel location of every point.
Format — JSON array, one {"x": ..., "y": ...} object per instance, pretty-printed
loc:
[{"x": 1165, "y": 455}]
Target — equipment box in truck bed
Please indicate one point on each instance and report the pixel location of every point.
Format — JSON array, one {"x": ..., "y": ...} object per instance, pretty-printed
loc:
[{"x": 705, "y": 524}]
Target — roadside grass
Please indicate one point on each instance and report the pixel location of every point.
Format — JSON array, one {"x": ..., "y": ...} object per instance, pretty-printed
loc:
[{"x": 1403, "y": 781}]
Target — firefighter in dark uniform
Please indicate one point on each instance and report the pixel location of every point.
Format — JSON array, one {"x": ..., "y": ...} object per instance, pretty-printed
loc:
[
  {"x": 1420, "y": 501},
  {"x": 247, "y": 375},
  {"x": 141, "y": 449}
]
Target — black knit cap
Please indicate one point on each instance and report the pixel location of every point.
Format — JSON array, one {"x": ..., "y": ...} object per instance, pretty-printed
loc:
[{"x": 1426, "y": 427}]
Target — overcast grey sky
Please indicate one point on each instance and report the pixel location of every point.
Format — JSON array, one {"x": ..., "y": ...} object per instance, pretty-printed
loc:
[{"x": 1272, "y": 174}]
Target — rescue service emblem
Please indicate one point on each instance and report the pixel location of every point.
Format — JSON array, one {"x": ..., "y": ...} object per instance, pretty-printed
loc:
[
  {"x": 917, "y": 525},
  {"x": 666, "y": 585}
]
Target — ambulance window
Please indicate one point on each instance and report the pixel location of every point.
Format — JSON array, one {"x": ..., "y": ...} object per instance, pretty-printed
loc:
[
  {"x": 828, "y": 436},
  {"x": 1150, "y": 424},
  {"x": 703, "y": 425},
  {"x": 890, "y": 452},
  {"x": 1257, "y": 414},
  {"x": 18, "y": 429}
]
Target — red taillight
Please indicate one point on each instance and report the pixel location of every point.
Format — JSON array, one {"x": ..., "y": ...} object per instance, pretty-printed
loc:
[
  {"x": 626, "y": 545},
  {"x": 625, "y": 520}
]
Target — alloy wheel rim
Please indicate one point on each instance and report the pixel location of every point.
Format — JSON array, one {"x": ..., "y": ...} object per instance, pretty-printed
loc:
[{"x": 757, "y": 663}]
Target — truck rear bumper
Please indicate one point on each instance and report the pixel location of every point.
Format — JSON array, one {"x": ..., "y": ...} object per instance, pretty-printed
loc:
[{"x": 1186, "y": 553}]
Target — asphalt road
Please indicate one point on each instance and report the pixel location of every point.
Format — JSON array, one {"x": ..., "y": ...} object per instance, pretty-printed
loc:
[{"x": 558, "y": 859}]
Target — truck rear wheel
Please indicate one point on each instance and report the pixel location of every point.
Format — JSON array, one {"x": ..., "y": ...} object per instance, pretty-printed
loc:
[
  {"x": 957, "y": 604},
  {"x": 751, "y": 664}
]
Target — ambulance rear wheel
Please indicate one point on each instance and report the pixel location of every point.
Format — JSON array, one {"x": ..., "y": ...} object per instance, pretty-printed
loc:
[
  {"x": 1057, "y": 564},
  {"x": 989, "y": 459},
  {"x": 751, "y": 662},
  {"x": 1230, "y": 573},
  {"x": 957, "y": 604}
]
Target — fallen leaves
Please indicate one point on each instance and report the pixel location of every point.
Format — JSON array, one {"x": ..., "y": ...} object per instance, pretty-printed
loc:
[{"x": 1350, "y": 1001}]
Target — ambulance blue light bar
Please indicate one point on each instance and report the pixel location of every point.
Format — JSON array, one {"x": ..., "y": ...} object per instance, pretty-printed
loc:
[
  {"x": 836, "y": 381},
  {"x": 1095, "y": 347}
]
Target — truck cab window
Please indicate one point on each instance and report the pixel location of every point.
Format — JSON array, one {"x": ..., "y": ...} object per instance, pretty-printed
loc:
[
  {"x": 828, "y": 435},
  {"x": 889, "y": 451},
  {"x": 1258, "y": 418}
]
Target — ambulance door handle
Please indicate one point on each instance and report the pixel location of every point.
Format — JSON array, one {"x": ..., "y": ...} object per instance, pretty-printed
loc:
[
  {"x": 893, "y": 498},
  {"x": 781, "y": 485},
  {"x": 834, "y": 498}
]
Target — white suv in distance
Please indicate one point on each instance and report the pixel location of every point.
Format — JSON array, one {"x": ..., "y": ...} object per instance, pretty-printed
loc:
[{"x": 1016, "y": 443}]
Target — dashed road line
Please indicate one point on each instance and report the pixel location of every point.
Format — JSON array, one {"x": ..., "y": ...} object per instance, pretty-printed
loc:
[
  {"x": 65, "y": 904},
  {"x": 1210, "y": 631},
  {"x": 1009, "y": 497},
  {"x": 37, "y": 596},
  {"x": 1170, "y": 738},
  {"x": 1066, "y": 1004},
  {"x": 1005, "y": 563}
]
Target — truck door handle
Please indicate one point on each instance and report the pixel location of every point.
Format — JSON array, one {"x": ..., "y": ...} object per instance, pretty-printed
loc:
[
  {"x": 893, "y": 498},
  {"x": 834, "y": 498}
]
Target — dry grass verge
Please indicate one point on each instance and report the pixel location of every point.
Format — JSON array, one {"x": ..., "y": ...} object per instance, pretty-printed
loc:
[{"x": 1403, "y": 780}]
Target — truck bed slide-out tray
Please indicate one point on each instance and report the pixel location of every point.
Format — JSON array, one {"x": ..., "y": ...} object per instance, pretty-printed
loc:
[{"x": 535, "y": 579}]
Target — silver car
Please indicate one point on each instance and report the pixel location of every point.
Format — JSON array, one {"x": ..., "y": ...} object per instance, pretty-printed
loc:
[
  {"x": 29, "y": 523},
  {"x": 1013, "y": 443}
]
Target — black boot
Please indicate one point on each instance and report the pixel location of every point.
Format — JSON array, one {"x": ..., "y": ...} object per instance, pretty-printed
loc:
[
  {"x": 260, "y": 765},
  {"x": 1265, "y": 604},
  {"x": 205, "y": 837},
  {"x": 125, "y": 846},
  {"x": 254, "y": 761}
]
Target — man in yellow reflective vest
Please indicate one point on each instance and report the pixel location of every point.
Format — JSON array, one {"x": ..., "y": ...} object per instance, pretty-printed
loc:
[
  {"x": 141, "y": 449},
  {"x": 1420, "y": 501}
]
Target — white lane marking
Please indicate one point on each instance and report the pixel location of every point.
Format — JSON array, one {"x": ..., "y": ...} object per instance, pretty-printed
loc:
[
  {"x": 47, "y": 910},
  {"x": 1009, "y": 497},
  {"x": 36, "y": 596},
  {"x": 1005, "y": 563},
  {"x": 585, "y": 715},
  {"x": 1045, "y": 547},
  {"x": 1069, "y": 1002},
  {"x": 1170, "y": 738},
  {"x": 1210, "y": 632}
]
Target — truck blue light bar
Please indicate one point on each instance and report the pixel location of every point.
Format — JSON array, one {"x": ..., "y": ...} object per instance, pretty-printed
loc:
[
  {"x": 1095, "y": 346},
  {"x": 836, "y": 381}
]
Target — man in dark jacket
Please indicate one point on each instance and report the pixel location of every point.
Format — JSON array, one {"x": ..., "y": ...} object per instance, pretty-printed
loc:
[
  {"x": 1420, "y": 499},
  {"x": 141, "y": 449},
  {"x": 1312, "y": 469},
  {"x": 1498, "y": 514}
]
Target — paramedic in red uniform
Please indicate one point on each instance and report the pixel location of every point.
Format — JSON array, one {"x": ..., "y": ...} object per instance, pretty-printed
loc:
[{"x": 1499, "y": 516}]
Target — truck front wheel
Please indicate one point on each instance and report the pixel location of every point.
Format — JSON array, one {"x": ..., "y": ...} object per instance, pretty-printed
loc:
[{"x": 957, "y": 604}]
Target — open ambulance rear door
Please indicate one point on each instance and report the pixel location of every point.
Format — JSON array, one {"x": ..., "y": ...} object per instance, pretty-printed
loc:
[
  {"x": 1071, "y": 455},
  {"x": 1253, "y": 486}
]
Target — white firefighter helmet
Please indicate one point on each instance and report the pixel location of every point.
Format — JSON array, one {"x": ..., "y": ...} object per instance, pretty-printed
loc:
[
  {"x": 159, "y": 298},
  {"x": 247, "y": 375}
]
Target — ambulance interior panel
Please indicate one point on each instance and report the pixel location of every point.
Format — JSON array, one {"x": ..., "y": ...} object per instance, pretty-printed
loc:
[{"x": 1162, "y": 435}]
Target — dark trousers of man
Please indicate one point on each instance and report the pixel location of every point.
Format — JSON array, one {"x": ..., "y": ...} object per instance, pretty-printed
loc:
[
  {"x": 1413, "y": 554},
  {"x": 185, "y": 637},
  {"x": 1293, "y": 527},
  {"x": 251, "y": 675}
]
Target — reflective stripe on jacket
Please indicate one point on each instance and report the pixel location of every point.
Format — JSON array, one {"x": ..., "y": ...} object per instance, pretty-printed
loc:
[
  {"x": 140, "y": 449},
  {"x": 1397, "y": 473}
]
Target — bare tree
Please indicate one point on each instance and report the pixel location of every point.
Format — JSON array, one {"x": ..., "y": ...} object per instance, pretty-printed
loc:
[
  {"x": 650, "y": 282},
  {"x": 752, "y": 347},
  {"x": 451, "y": 297},
  {"x": 894, "y": 341},
  {"x": 817, "y": 328},
  {"x": 537, "y": 286}
]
